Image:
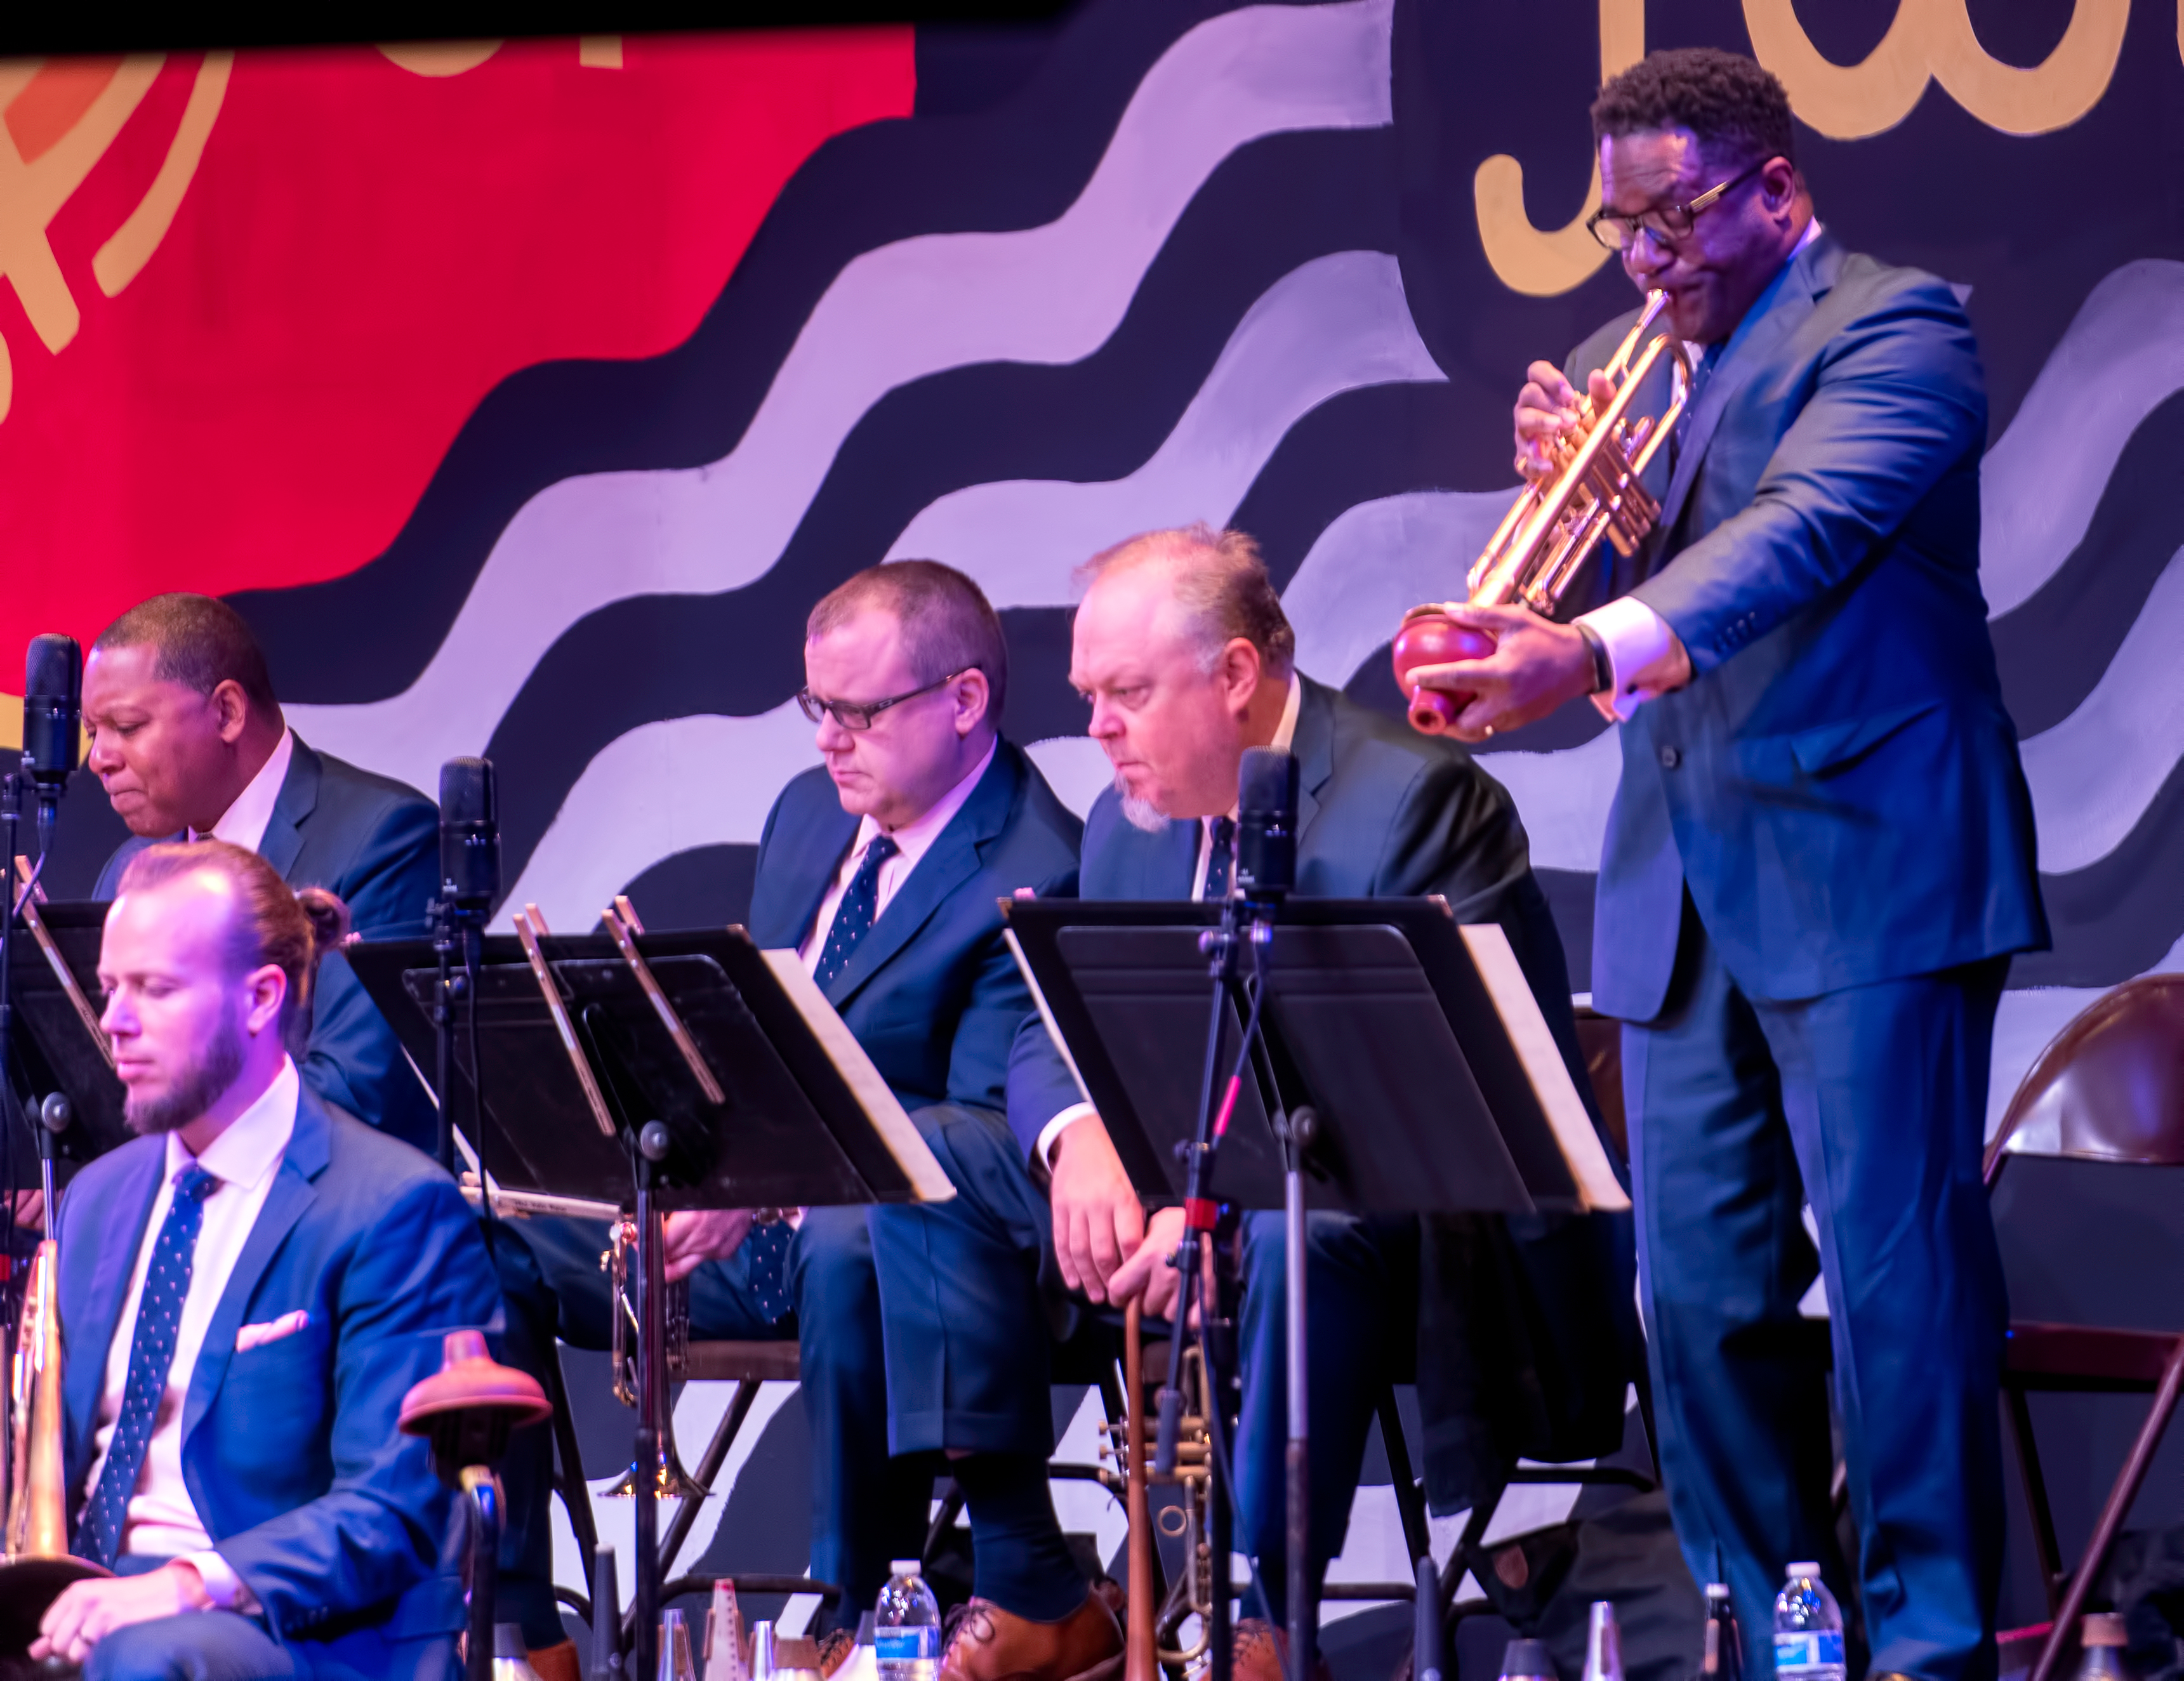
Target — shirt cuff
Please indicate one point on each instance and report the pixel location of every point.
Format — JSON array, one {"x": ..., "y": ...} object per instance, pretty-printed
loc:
[
  {"x": 1641, "y": 652},
  {"x": 221, "y": 1585},
  {"x": 1051, "y": 1133}
]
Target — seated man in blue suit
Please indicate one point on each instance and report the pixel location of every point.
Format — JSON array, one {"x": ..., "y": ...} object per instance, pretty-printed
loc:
[
  {"x": 1182, "y": 649},
  {"x": 188, "y": 740},
  {"x": 1821, "y": 856},
  {"x": 248, "y": 1289},
  {"x": 883, "y": 866}
]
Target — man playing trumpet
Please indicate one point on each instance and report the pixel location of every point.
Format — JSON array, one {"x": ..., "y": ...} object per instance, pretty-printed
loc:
[{"x": 1820, "y": 858}]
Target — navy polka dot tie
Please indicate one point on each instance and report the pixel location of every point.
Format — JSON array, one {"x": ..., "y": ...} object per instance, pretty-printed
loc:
[
  {"x": 855, "y": 916},
  {"x": 151, "y": 1354},
  {"x": 769, "y": 1268}
]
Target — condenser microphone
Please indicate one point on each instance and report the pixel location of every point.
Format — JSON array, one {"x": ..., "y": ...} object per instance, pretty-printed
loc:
[
  {"x": 469, "y": 834},
  {"x": 1266, "y": 823},
  {"x": 52, "y": 708}
]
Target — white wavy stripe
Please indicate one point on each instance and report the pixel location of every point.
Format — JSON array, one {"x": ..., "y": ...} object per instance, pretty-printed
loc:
[
  {"x": 2094, "y": 774},
  {"x": 2122, "y": 355},
  {"x": 661, "y": 789},
  {"x": 1335, "y": 323},
  {"x": 1377, "y": 560},
  {"x": 1050, "y": 295}
]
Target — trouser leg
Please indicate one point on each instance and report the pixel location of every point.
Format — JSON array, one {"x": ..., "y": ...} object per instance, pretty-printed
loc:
[
  {"x": 1360, "y": 1303},
  {"x": 1884, "y": 1090},
  {"x": 1739, "y": 1376},
  {"x": 206, "y": 1646},
  {"x": 868, "y": 1508},
  {"x": 969, "y": 1308}
]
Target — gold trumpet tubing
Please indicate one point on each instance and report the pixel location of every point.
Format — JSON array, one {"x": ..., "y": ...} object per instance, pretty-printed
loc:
[
  {"x": 37, "y": 1515},
  {"x": 1497, "y": 545},
  {"x": 1618, "y": 365}
]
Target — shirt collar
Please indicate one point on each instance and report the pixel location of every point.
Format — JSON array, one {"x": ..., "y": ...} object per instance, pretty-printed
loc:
[
  {"x": 916, "y": 836},
  {"x": 251, "y": 1147},
  {"x": 244, "y": 823}
]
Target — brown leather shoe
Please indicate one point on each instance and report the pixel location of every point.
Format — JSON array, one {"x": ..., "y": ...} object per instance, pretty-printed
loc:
[
  {"x": 992, "y": 1644},
  {"x": 1258, "y": 1650}
]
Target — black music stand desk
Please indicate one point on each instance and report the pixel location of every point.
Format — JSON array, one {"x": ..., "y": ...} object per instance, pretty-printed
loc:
[{"x": 58, "y": 1046}]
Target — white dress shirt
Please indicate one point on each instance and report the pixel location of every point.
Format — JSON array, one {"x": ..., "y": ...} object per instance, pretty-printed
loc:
[
  {"x": 163, "y": 1521},
  {"x": 1641, "y": 648},
  {"x": 913, "y": 840},
  {"x": 243, "y": 823},
  {"x": 1284, "y": 734}
]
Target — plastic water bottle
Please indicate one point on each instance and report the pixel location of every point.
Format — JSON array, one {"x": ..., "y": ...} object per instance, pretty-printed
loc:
[
  {"x": 1723, "y": 1658},
  {"x": 2103, "y": 1638},
  {"x": 1809, "y": 1629},
  {"x": 907, "y": 1626}
]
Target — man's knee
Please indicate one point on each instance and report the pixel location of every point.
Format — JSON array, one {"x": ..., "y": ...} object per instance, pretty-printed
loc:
[
  {"x": 202, "y": 1646},
  {"x": 835, "y": 1273}
]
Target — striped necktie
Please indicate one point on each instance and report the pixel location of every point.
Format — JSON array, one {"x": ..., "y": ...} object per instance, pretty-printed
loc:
[{"x": 151, "y": 1354}]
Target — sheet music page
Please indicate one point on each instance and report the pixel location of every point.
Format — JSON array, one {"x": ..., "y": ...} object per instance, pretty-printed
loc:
[
  {"x": 1488, "y": 944},
  {"x": 1045, "y": 1013},
  {"x": 898, "y": 1132}
]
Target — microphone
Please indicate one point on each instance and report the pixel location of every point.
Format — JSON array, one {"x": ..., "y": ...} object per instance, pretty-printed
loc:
[
  {"x": 1266, "y": 824},
  {"x": 469, "y": 834},
  {"x": 52, "y": 705}
]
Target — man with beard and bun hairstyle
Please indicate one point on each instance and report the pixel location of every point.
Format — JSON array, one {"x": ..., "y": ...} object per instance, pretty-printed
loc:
[
  {"x": 248, "y": 1289},
  {"x": 187, "y": 739},
  {"x": 1182, "y": 651}
]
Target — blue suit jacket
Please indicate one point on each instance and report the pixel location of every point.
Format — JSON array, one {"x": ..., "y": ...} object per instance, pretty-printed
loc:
[
  {"x": 932, "y": 993},
  {"x": 376, "y": 842},
  {"x": 332, "y": 1519},
  {"x": 1382, "y": 812},
  {"x": 1838, "y": 786}
]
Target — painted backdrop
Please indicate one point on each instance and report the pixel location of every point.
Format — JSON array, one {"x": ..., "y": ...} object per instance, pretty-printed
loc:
[{"x": 525, "y": 396}]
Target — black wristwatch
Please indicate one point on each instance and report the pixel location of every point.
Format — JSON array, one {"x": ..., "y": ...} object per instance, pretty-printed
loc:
[{"x": 1603, "y": 670}]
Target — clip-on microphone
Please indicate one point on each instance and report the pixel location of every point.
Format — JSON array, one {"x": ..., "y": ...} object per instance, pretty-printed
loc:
[{"x": 469, "y": 882}]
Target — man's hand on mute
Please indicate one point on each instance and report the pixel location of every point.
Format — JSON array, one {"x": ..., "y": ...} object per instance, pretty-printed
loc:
[{"x": 1537, "y": 666}]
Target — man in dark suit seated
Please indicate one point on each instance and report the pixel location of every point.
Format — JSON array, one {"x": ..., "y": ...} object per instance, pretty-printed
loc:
[
  {"x": 1182, "y": 650},
  {"x": 188, "y": 740},
  {"x": 247, "y": 1290},
  {"x": 883, "y": 867},
  {"x": 1821, "y": 856}
]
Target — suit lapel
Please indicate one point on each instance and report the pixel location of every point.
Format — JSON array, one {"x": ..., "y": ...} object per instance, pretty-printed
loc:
[
  {"x": 1314, "y": 746},
  {"x": 1787, "y": 301},
  {"x": 952, "y": 860},
  {"x": 114, "y": 1260},
  {"x": 291, "y": 1197},
  {"x": 299, "y": 796},
  {"x": 809, "y": 861}
]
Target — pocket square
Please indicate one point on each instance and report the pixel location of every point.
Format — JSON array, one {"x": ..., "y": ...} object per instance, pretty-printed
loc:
[{"x": 256, "y": 1336}]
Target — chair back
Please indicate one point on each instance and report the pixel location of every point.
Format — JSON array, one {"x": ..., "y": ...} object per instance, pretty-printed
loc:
[{"x": 2110, "y": 1088}]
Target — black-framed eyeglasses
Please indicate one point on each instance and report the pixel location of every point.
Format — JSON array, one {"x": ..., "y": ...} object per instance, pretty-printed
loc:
[
  {"x": 858, "y": 714},
  {"x": 1667, "y": 223}
]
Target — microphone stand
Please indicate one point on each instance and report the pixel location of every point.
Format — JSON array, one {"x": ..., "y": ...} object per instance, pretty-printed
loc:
[
  {"x": 11, "y": 817},
  {"x": 458, "y": 928}
]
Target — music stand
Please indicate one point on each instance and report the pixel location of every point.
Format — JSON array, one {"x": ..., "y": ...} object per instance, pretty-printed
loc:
[
  {"x": 57, "y": 1046},
  {"x": 1401, "y": 1066},
  {"x": 674, "y": 1071}
]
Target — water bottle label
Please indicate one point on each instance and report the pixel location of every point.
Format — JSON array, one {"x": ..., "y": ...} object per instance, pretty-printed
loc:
[
  {"x": 1812, "y": 1653},
  {"x": 913, "y": 1645}
]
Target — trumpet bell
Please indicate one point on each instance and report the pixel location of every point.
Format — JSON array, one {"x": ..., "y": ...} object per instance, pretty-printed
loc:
[{"x": 1428, "y": 636}]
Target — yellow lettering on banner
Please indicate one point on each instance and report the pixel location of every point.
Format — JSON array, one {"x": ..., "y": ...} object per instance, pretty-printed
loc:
[
  {"x": 33, "y": 190},
  {"x": 1542, "y": 264},
  {"x": 604, "y": 51},
  {"x": 439, "y": 57},
  {"x": 1932, "y": 40},
  {"x": 123, "y": 256}
]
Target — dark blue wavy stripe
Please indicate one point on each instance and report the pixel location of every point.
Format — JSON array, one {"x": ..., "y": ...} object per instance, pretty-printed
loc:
[
  {"x": 706, "y": 887},
  {"x": 1098, "y": 419},
  {"x": 2054, "y": 648},
  {"x": 1017, "y": 165}
]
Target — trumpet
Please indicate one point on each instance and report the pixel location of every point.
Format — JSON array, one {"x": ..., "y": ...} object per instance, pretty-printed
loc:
[
  {"x": 1151, "y": 1640},
  {"x": 37, "y": 1565},
  {"x": 670, "y": 1481},
  {"x": 1549, "y": 533}
]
